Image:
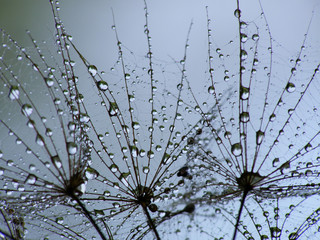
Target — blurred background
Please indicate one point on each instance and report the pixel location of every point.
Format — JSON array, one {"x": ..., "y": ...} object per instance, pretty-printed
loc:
[{"x": 89, "y": 22}]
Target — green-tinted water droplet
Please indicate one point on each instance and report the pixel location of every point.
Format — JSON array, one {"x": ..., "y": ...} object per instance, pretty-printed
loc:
[
  {"x": 244, "y": 117},
  {"x": 146, "y": 170},
  {"x": 113, "y": 109},
  {"x": 244, "y": 93},
  {"x": 31, "y": 179},
  {"x": 14, "y": 93},
  {"x": 92, "y": 70},
  {"x": 237, "y": 13},
  {"x": 236, "y": 149},
  {"x": 211, "y": 89},
  {"x": 113, "y": 168},
  {"x": 275, "y": 232},
  {"x": 243, "y": 55},
  {"x": 49, "y": 82},
  {"x": 135, "y": 125},
  {"x": 26, "y": 110},
  {"x": 56, "y": 161},
  {"x": 40, "y": 140},
  {"x": 259, "y": 137},
  {"x": 72, "y": 148},
  {"x": 102, "y": 85},
  {"x": 243, "y": 37},
  {"x": 290, "y": 87},
  {"x": 134, "y": 151},
  {"x": 91, "y": 173},
  {"x": 255, "y": 37}
]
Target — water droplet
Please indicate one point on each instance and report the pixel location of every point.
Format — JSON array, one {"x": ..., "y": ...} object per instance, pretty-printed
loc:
[
  {"x": 91, "y": 173},
  {"x": 113, "y": 168},
  {"x": 56, "y": 161},
  {"x": 244, "y": 117},
  {"x": 26, "y": 110},
  {"x": 308, "y": 147},
  {"x": 255, "y": 37},
  {"x": 127, "y": 76},
  {"x": 211, "y": 89},
  {"x": 135, "y": 125},
  {"x": 146, "y": 170},
  {"x": 244, "y": 37},
  {"x": 243, "y": 55},
  {"x": 49, "y": 82},
  {"x": 290, "y": 87},
  {"x": 31, "y": 179},
  {"x": 244, "y": 93},
  {"x": 59, "y": 220},
  {"x": 285, "y": 168},
  {"x": 113, "y": 109},
  {"x": 259, "y": 137},
  {"x": 272, "y": 117},
  {"x": 180, "y": 86},
  {"x": 237, "y": 13},
  {"x": 40, "y": 140},
  {"x": 227, "y": 135},
  {"x": 92, "y": 70},
  {"x": 275, "y": 232},
  {"x": 14, "y": 93},
  {"x": 102, "y": 85},
  {"x": 72, "y": 148},
  {"x": 134, "y": 151},
  {"x": 166, "y": 158},
  {"x": 236, "y": 149}
]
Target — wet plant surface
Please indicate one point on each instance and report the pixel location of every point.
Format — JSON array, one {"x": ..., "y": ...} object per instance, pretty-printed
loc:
[{"x": 143, "y": 151}]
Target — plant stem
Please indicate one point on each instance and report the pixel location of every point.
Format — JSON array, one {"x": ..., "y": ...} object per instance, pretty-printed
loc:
[
  {"x": 88, "y": 215},
  {"x": 245, "y": 193},
  {"x": 151, "y": 223}
]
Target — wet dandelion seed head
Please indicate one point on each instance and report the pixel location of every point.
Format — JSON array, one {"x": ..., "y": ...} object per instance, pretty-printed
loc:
[{"x": 148, "y": 160}]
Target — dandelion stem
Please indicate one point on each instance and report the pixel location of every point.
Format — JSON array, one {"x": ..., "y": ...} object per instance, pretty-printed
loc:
[
  {"x": 151, "y": 223},
  {"x": 88, "y": 215},
  {"x": 245, "y": 193}
]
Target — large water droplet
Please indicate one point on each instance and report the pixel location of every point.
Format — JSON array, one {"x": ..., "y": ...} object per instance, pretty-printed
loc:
[
  {"x": 255, "y": 37},
  {"x": 135, "y": 125},
  {"x": 91, "y": 173},
  {"x": 49, "y": 82},
  {"x": 72, "y": 148},
  {"x": 290, "y": 87},
  {"x": 26, "y": 109},
  {"x": 285, "y": 168},
  {"x": 237, "y": 13},
  {"x": 31, "y": 179},
  {"x": 113, "y": 109},
  {"x": 56, "y": 161},
  {"x": 113, "y": 168},
  {"x": 40, "y": 140},
  {"x": 92, "y": 70},
  {"x": 244, "y": 93},
  {"x": 134, "y": 151},
  {"x": 275, "y": 232},
  {"x": 102, "y": 85},
  {"x": 244, "y": 117},
  {"x": 243, "y": 55},
  {"x": 259, "y": 137},
  {"x": 14, "y": 93},
  {"x": 211, "y": 89},
  {"x": 236, "y": 149},
  {"x": 244, "y": 37}
]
